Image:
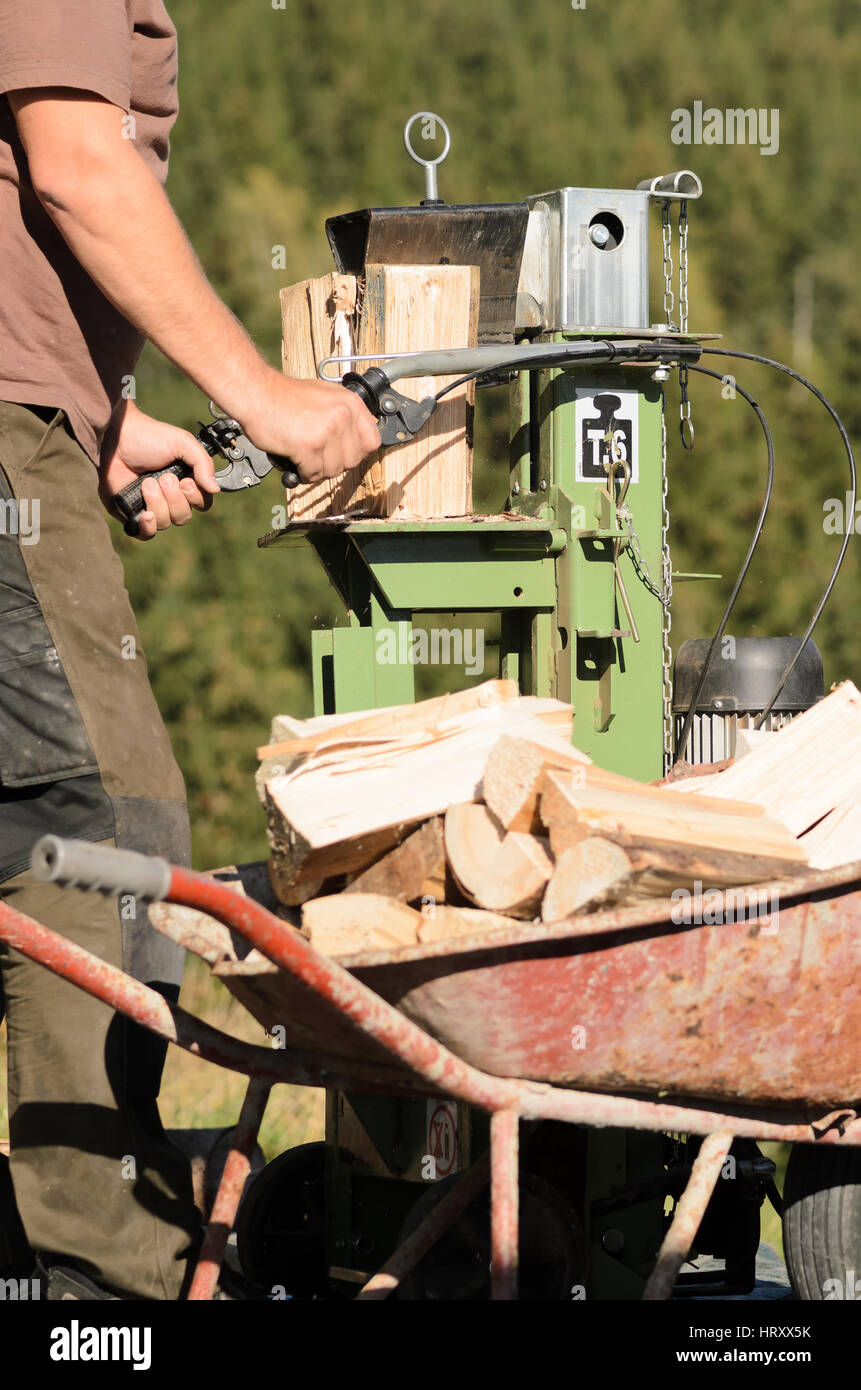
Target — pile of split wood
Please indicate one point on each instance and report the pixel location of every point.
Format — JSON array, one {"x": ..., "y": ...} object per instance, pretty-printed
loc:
[{"x": 474, "y": 811}]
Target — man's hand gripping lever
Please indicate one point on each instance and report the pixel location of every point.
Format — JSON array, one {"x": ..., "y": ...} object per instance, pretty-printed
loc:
[
  {"x": 246, "y": 466},
  {"x": 399, "y": 419}
]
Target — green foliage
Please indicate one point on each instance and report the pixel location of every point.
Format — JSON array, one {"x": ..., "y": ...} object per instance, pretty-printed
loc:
[{"x": 289, "y": 115}]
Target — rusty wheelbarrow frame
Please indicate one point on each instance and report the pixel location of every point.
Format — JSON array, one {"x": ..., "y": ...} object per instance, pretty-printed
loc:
[{"x": 419, "y": 1065}]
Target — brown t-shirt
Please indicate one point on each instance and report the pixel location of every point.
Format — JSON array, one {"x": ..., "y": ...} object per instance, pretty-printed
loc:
[{"x": 61, "y": 342}]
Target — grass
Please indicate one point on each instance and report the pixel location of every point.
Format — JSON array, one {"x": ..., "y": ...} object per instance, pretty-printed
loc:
[
  {"x": 770, "y": 1227},
  {"x": 196, "y": 1094}
]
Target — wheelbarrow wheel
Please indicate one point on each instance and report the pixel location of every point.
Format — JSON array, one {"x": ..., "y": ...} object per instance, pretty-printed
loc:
[
  {"x": 822, "y": 1221},
  {"x": 279, "y": 1233},
  {"x": 553, "y": 1252}
]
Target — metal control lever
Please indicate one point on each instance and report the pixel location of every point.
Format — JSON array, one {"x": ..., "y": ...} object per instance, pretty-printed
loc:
[
  {"x": 621, "y": 466},
  {"x": 399, "y": 419},
  {"x": 487, "y": 358},
  {"x": 246, "y": 466}
]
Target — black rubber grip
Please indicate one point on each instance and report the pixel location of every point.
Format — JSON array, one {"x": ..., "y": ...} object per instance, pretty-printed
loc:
[
  {"x": 130, "y": 502},
  {"x": 289, "y": 476}
]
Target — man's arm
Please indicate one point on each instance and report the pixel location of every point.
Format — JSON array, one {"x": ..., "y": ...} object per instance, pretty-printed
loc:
[{"x": 118, "y": 222}]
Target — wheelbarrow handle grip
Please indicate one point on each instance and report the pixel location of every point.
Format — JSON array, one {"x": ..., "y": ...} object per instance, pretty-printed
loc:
[{"x": 99, "y": 868}]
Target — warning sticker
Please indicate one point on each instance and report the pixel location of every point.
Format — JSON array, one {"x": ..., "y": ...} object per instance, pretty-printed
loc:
[
  {"x": 442, "y": 1136},
  {"x": 607, "y": 431}
]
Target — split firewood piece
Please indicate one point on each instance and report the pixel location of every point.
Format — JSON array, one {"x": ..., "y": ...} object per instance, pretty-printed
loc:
[
  {"x": 836, "y": 840},
  {"x": 600, "y": 786},
  {"x": 804, "y": 770},
  {"x": 587, "y": 875},
  {"x": 652, "y": 817},
  {"x": 445, "y": 923},
  {"x": 298, "y": 869},
  {"x": 514, "y": 776},
  {"x": 292, "y": 895},
  {"x": 343, "y": 925},
  {"x": 659, "y": 870},
  {"x": 747, "y": 740},
  {"x": 415, "y": 869},
  {"x": 547, "y": 719},
  {"x": 395, "y": 721},
  {"x": 498, "y": 870},
  {"x": 693, "y": 782},
  {"x": 338, "y": 937},
  {"x": 338, "y": 811}
]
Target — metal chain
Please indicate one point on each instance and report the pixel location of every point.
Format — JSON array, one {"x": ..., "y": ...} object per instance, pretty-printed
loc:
[
  {"x": 683, "y": 266},
  {"x": 686, "y": 429},
  {"x": 667, "y": 235},
  {"x": 666, "y": 615},
  {"x": 686, "y": 424},
  {"x": 638, "y": 559}
]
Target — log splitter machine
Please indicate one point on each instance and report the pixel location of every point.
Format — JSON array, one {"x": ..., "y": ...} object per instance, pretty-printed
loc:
[{"x": 576, "y": 567}]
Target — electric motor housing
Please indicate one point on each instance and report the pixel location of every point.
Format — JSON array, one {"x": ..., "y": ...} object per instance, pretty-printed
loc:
[{"x": 741, "y": 679}]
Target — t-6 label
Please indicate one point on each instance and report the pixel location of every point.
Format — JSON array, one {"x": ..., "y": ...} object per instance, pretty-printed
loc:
[{"x": 607, "y": 432}]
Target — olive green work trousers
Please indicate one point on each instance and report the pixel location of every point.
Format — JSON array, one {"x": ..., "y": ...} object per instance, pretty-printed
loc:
[{"x": 83, "y": 753}]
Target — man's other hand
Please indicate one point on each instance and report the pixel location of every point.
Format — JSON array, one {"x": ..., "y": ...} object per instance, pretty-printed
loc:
[{"x": 135, "y": 444}]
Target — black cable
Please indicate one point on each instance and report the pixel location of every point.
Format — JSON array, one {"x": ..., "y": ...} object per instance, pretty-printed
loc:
[
  {"x": 591, "y": 350},
  {"x": 742, "y": 574},
  {"x": 848, "y": 528},
  {"x": 470, "y": 376}
]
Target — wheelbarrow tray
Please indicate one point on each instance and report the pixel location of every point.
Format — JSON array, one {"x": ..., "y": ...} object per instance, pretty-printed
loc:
[{"x": 758, "y": 1011}]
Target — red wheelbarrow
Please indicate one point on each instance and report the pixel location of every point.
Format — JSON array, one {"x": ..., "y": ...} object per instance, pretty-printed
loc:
[{"x": 721, "y": 1025}]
